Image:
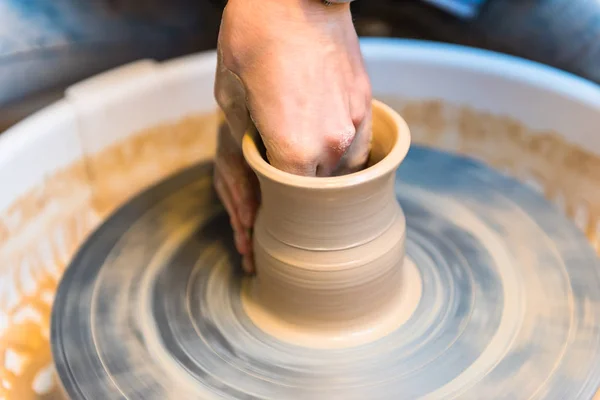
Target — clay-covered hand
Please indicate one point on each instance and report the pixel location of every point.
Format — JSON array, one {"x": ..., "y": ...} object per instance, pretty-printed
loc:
[{"x": 294, "y": 69}]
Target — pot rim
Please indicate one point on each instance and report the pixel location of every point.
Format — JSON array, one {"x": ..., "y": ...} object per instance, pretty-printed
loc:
[{"x": 385, "y": 166}]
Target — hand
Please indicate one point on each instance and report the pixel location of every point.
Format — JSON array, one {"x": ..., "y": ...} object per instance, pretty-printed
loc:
[{"x": 294, "y": 69}]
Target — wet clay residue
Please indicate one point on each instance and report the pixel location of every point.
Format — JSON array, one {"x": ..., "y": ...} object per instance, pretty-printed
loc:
[
  {"x": 40, "y": 232},
  {"x": 566, "y": 174},
  {"x": 121, "y": 171}
]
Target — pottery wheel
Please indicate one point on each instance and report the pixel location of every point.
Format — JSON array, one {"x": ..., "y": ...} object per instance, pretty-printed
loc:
[{"x": 508, "y": 302}]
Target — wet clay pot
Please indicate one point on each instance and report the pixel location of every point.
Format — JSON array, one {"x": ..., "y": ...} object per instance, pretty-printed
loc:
[{"x": 329, "y": 251}]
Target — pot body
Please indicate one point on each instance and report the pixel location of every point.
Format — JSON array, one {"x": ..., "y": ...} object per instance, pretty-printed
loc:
[{"x": 343, "y": 272}]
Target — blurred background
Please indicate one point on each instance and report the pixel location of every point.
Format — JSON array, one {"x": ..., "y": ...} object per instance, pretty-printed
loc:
[{"x": 46, "y": 45}]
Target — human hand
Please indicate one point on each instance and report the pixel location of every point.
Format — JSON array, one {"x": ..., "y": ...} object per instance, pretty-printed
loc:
[{"x": 294, "y": 69}]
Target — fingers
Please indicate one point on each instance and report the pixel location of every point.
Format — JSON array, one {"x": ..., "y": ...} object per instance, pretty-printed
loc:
[
  {"x": 342, "y": 149},
  {"x": 357, "y": 154},
  {"x": 237, "y": 187},
  {"x": 314, "y": 140},
  {"x": 295, "y": 162},
  {"x": 227, "y": 201},
  {"x": 308, "y": 142},
  {"x": 242, "y": 237},
  {"x": 238, "y": 178},
  {"x": 347, "y": 151},
  {"x": 235, "y": 183}
]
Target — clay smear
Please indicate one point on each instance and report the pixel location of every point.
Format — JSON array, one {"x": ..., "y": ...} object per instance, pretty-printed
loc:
[
  {"x": 329, "y": 252},
  {"x": 41, "y": 232}
]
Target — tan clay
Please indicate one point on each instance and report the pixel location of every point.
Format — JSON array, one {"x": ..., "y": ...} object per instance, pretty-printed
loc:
[{"x": 329, "y": 251}]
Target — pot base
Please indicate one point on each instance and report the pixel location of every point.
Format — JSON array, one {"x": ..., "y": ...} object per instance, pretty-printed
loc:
[
  {"x": 150, "y": 308},
  {"x": 353, "y": 333}
]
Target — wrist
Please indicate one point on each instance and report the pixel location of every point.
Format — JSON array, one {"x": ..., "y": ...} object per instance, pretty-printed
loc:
[
  {"x": 258, "y": 26},
  {"x": 291, "y": 11}
]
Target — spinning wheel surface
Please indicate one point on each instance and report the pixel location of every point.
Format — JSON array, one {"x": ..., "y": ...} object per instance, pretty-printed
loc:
[{"x": 509, "y": 302}]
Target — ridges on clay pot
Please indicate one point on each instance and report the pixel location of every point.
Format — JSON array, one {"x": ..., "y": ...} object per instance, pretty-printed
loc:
[{"x": 329, "y": 251}]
